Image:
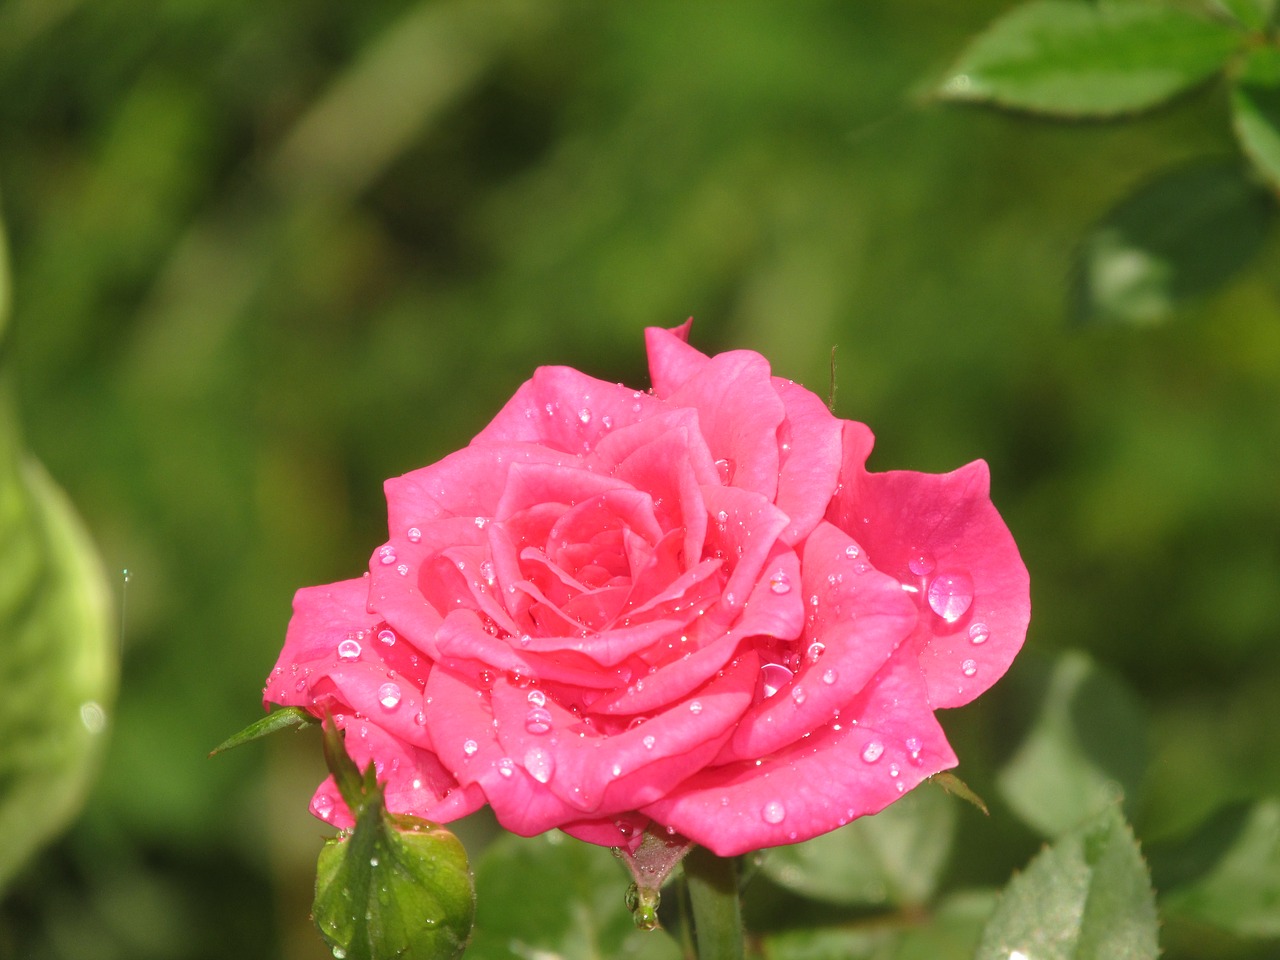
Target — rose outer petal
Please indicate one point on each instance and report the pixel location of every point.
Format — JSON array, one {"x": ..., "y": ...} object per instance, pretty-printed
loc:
[
  {"x": 810, "y": 464},
  {"x": 882, "y": 745},
  {"x": 948, "y": 528}
]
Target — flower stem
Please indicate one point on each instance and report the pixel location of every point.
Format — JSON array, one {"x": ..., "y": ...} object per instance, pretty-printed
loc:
[{"x": 713, "y": 894}]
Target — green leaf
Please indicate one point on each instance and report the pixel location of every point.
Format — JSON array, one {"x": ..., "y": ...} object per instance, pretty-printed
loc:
[
  {"x": 1076, "y": 59},
  {"x": 1181, "y": 236},
  {"x": 894, "y": 857},
  {"x": 5, "y": 292},
  {"x": 951, "y": 932},
  {"x": 1255, "y": 112},
  {"x": 1087, "y": 896},
  {"x": 1241, "y": 893},
  {"x": 1086, "y": 746},
  {"x": 553, "y": 896},
  {"x": 394, "y": 886},
  {"x": 58, "y": 671},
  {"x": 1254, "y": 14},
  {"x": 281, "y": 719}
]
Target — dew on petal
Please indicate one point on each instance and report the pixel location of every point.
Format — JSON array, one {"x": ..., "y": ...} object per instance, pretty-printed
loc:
[
  {"x": 872, "y": 751},
  {"x": 540, "y": 764},
  {"x": 322, "y": 805},
  {"x": 506, "y": 766},
  {"x": 979, "y": 633},
  {"x": 722, "y": 516},
  {"x": 695, "y": 707},
  {"x": 780, "y": 583},
  {"x": 774, "y": 812},
  {"x": 852, "y": 551},
  {"x": 774, "y": 676},
  {"x": 349, "y": 649},
  {"x": 950, "y": 595},
  {"x": 470, "y": 747},
  {"x": 388, "y": 637},
  {"x": 482, "y": 522},
  {"x": 893, "y": 770},
  {"x": 403, "y": 569},
  {"x": 649, "y": 741},
  {"x": 537, "y": 698},
  {"x": 921, "y": 564},
  {"x": 538, "y": 720},
  {"x": 913, "y": 748},
  {"x": 387, "y": 554},
  {"x": 389, "y": 695},
  {"x": 414, "y": 535},
  {"x": 584, "y": 417},
  {"x": 616, "y": 770},
  {"x": 969, "y": 668},
  {"x": 815, "y": 651},
  {"x": 724, "y": 467},
  {"x": 798, "y": 695},
  {"x": 829, "y": 676}
]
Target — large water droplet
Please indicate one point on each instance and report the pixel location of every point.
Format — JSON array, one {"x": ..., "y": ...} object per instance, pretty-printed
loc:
[
  {"x": 780, "y": 583},
  {"x": 387, "y": 636},
  {"x": 774, "y": 677},
  {"x": 537, "y": 698},
  {"x": 540, "y": 764},
  {"x": 387, "y": 554},
  {"x": 851, "y": 551},
  {"x": 872, "y": 751},
  {"x": 322, "y": 806},
  {"x": 414, "y": 534},
  {"x": 538, "y": 720},
  {"x": 969, "y": 668},
  {"x": 349, "y": 649},
  {"x": 389, "y": 695},
  {"x": 773, "y": 812},
  {"x": 979, "y": 633},
  {"x": 470, "y": 747},
  {"x": 950, "y": 595}
]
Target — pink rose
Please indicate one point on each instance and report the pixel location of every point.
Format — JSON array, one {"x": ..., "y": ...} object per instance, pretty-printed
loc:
[{"x": 692, "y": 606}]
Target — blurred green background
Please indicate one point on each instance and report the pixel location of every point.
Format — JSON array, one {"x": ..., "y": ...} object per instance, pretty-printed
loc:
[{"x": 266, "y": 255}]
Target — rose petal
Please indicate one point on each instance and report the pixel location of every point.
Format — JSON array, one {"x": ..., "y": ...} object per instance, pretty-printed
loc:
[
  {"x": 810, "y": 441},
  {"x": 850, "y": 768},
  {"x": 672, "y": 362},
  {"x": 928, "y": 529}
]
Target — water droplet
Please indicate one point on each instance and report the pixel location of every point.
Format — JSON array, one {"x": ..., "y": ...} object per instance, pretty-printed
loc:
[
  {"x": 388, "y": 637},
  {"x": 774, "y": 676},
  {"x": 969, "y": 668},
  {"x": 349, "y": 649},
  {"x": 913, "y": 748},
  {"x": 815, "y": 651},
  {"x": 537, "y": 698},
  {"x": 851, "y": 551},
  {"x": 979, "y": 633},
  {"x": 414, "y": 534},
  {"x": 723, "y": 516},
  {"x": 373, "y": 861},
  {"x": 506, "y": 766},
  {"x": 538, "y": 720},
  {"x": 724, "y": 467},
  {"x": 616, "y": 770},
  {"x": 339, "y": 953},
  {"x": 389, "y": 695},
  {"x": 730, "y": 600},
  {"x": 921, "y": 564},
  {"x": 387, "y": 554},
  {"x": 322, "y": 805},
  {"x": 481, "y": 522},
  {"x": 525, "y": 639},
  {"x": 470, "y": 747},
  {"x": 872, "y": 751},
  {"x": 486, "y": 571},
  {"x": 403, "y": 569},
  {"x": 420, "y": 718},
  {"x": 779, "y": 583},
  {"x": 300, "y": 685},
  {"x": 540, "y": 764},
  {"x": 584, "y": 416},
  {"x": 695, "y": 707},
  {"x": 798, "y": 695},
  {"x": 829, "y": 676},
  {"x": 649, "y": 741},
  {"x": 950, "y": 595},
  {"x": 774, "y": 812},
  {"x": 893, "y": 770}
]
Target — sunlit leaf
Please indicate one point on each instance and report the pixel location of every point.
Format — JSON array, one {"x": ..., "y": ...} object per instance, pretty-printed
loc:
[
  {"x": 1075, "y": 59},
  {"x": 285, "y": 718},
  {"x": 1085, "y": 748},
  {"x": 393, "y": 886},
  {"x": 1241, "y": 892},
  {"x": 894, "y": 857},
  {"x": 553, "y": 896},
  {"x": 1183, "y": 235},
  {"x": 58, "y": 667},
  {"x": 1087, "y": 895},
  {"x": 1255, "y": 106}
]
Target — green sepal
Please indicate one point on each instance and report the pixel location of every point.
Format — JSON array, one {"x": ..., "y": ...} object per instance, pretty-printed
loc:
[
  {"x": 281, "y": 719},
  {"x": 393, "y": 886},
  {"x": 953, "y": 785}
]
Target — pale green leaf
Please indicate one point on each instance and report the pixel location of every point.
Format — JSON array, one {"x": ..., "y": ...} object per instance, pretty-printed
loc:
[
  {"x": 1241, "y": 892},
  {"x": 1255, "y": 110},
  {"x": 1254, "y": 14},
  {"x": 58, "y": 671},
  {"x": 894, "y": 857},
  {"x": 1086, "y": 747},
  {"x": 1076, "y": 59},
  {"x": 1086, "y": 897},
  {"x": 1181, "y": 236}
]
